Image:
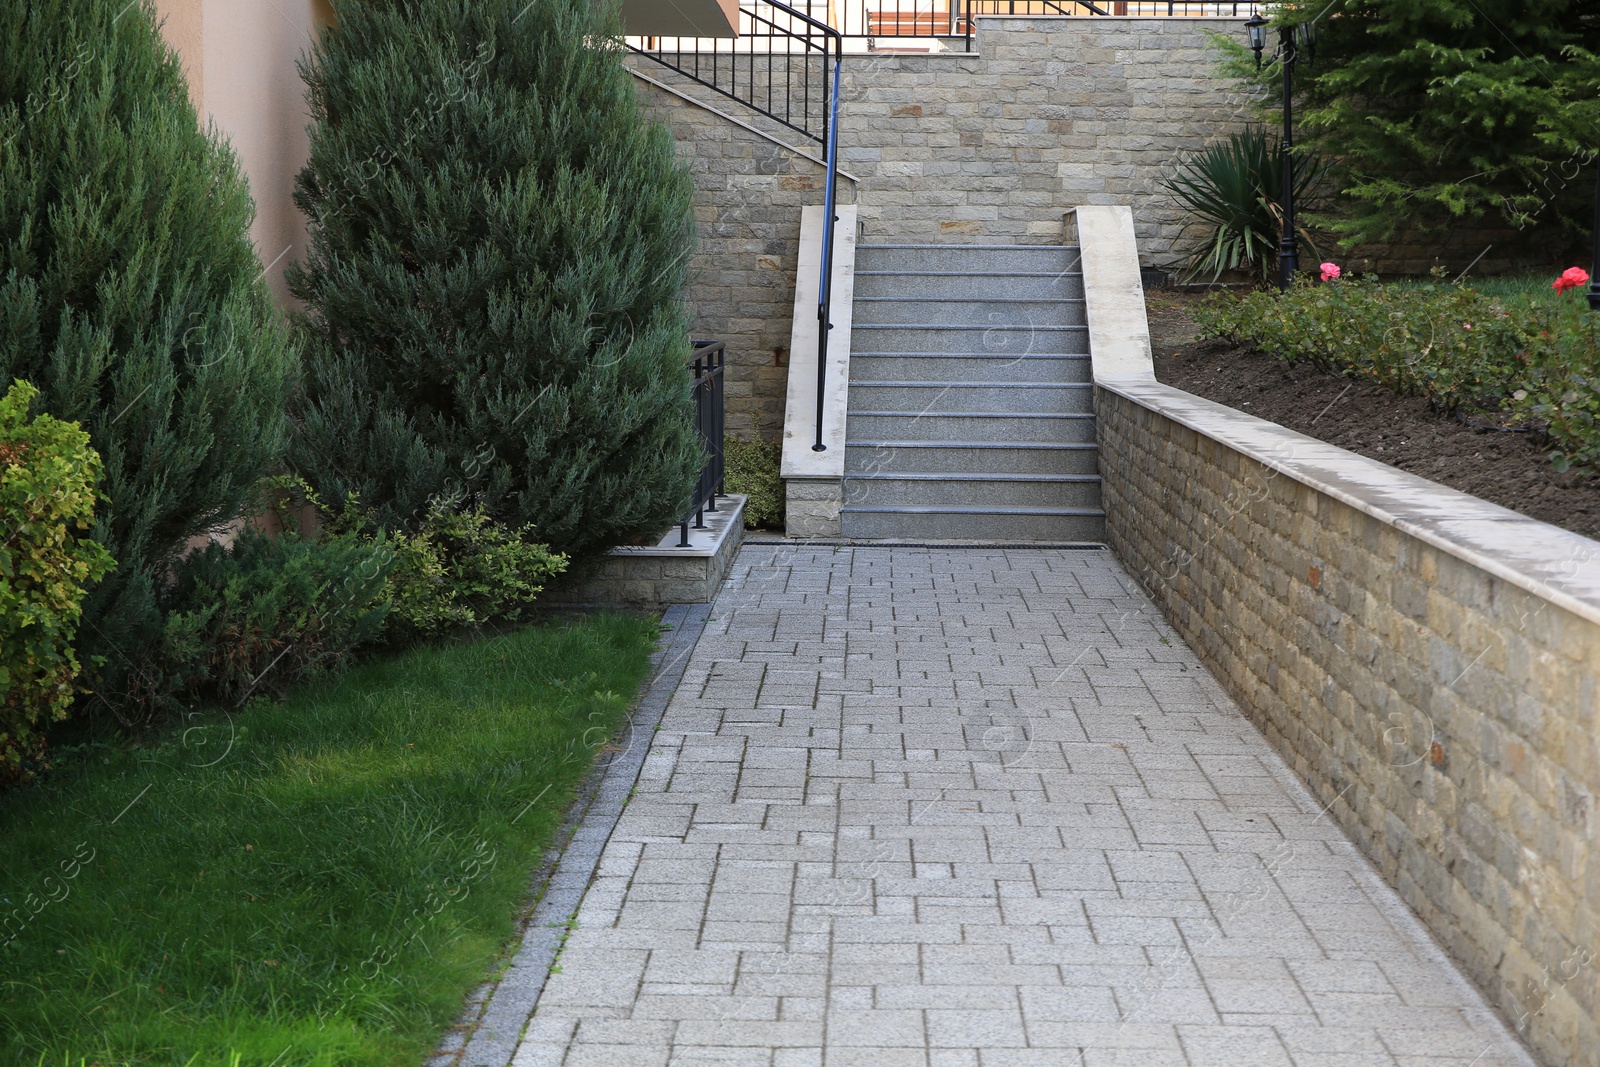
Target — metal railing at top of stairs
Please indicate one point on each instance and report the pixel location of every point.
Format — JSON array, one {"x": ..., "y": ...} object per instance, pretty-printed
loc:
[
  {"x": 717, "y": 64},
  {"x": 877, "y": 20},
  {"x": 895, "y": 25},
  {"x": 780, "y": 64}
]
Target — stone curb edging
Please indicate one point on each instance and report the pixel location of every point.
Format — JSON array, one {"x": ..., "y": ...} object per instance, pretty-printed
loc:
[{"x": 491, "y": 1026}]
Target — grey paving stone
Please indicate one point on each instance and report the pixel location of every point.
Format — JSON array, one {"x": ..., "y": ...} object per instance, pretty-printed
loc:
[{"x": 974, "y": 807}]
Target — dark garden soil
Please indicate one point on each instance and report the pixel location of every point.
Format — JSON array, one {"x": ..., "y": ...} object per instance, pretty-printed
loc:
[{"x": 1509, "y": 469}]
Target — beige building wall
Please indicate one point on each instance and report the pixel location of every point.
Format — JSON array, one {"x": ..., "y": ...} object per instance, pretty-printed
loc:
[{"x": 240, "y": 56}]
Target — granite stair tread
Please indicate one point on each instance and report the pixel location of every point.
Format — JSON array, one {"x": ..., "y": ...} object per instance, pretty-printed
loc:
[{"x": 957, "y": 427}]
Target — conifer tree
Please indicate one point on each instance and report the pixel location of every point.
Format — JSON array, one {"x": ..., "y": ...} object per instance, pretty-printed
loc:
[
  {"x": 494, "y": 292},
  {"x": 131, "y": 296},
  {"x": 1438, "y": 110}
]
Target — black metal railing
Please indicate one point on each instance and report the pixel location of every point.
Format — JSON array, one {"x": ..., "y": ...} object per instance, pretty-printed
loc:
[
  {"x": 785, "y": 65},
  {"x": 706, "y": 366},
  {"x": 876, "y": 20},
  {"x": 780, "y": 65}
]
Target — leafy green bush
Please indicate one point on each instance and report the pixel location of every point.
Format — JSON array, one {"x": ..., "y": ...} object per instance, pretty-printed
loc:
[
  {"x": 131, "y": 294},
  {"x": 1234, "y": 190},
  {"x": 1531, "y": 356},
  {"x": 1559, "y": 391},
  {"x": 47, "y": 491},
  {"x": 463, "y": 569},
  {"x": 494, "y": 288},
  {"x": 752, "y": 468},
  {"x": 266, "y": 612}
]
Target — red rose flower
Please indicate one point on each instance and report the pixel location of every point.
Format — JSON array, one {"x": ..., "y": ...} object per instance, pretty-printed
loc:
[{"x": 1571, "y": 278}]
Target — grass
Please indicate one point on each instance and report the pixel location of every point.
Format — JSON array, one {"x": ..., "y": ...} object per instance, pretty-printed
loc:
[
  {"x": 1498, "y": 286},
  {"x": 317, "y": 882}
]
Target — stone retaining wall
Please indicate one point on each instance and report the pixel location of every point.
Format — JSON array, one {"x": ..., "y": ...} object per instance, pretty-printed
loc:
[{"x": 1425, "y": 661}]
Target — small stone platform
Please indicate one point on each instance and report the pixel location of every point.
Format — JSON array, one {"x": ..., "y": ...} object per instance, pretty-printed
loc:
[{"x": 650, "y": 577}]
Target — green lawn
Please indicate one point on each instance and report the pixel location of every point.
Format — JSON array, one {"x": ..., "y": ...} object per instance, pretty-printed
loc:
[{"x": 320, "y": 881}]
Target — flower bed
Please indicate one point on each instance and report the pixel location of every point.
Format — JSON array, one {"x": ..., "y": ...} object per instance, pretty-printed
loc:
[{"x": 1526, "y": 359}]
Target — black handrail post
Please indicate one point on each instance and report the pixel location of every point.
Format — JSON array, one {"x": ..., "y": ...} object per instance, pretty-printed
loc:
[
  {"x": 1594, "y": 276},
  {"x": 702, "y": 416},
  {"x": 1288, "y": 252},
  {"x": 714, "y": 467}
]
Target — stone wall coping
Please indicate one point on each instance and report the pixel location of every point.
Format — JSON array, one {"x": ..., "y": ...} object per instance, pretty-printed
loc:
[
  {"x": 727, "y": 519},
  {"x": 800, "y": 409},
  {"x": 1555, "y": 564},
  {"x": 1119, "y": 328}
]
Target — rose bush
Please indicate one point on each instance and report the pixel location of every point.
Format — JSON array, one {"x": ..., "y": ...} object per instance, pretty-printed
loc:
[{"x": 1526, "y": 359}]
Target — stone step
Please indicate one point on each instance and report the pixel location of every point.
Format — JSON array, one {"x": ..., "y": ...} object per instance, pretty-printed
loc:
[
  {"x": 998, "y": 340},
  {"x": 1039, "y": 285},
  {"x": 968, "y": 426},
  {"x": 969, "y": 259},
  {"x": 1003, "y": 398},
  {"x": 1068, "y": 525},
  {"x": 970, "y": 457},
  {"x": 973, "y": 490},
  {"x": 955, "y": 311},
  {"x": 968, "y": 367}
]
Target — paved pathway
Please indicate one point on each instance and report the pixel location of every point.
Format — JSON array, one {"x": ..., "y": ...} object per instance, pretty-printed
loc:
[{"x": 980, "y": 807}]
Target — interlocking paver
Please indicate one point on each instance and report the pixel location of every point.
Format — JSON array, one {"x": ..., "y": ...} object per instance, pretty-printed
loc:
[{"x": 980, "y": 807}]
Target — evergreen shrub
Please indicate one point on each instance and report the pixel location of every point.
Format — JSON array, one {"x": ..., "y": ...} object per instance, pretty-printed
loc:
[
  {"x": 1439, "y": 110},
  {"x": 494, "y": 290},
  {"x": 48, "y": 474},
  {"x": 266, "y": 612},
  {"x": 131, "y": 295}
]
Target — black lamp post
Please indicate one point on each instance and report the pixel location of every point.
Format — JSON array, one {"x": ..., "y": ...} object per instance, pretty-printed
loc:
[
  {"x": 1290, "y": 39},
  {"x": 1594, "y": 275}
]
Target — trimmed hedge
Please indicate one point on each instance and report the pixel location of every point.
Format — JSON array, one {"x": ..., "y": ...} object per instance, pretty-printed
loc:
[{"x": 1530, "y": 357}]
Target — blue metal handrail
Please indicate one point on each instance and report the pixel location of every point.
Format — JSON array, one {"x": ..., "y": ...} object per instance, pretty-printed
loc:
[{"x": 825, "y": 282}]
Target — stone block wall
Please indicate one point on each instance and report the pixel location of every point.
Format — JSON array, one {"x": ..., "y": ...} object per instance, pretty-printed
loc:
[
  {"x": 1049, "y": 112},
  {"x": 986, "y": 147},
  {"x": 653, "y": 577},
  {"x": 1445, "y": 714},
  {"x": 990, "y": 146},
  {"x": 749, "y": 190}
]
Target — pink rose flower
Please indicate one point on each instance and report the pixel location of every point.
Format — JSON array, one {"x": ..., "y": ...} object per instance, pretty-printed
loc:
[
  {"x": 1571, "y": 278},
  {"x": 1330, "y": 271}
]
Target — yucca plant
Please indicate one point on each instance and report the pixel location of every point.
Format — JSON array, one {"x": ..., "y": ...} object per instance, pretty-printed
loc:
[{"x": 1234, "y": 189}]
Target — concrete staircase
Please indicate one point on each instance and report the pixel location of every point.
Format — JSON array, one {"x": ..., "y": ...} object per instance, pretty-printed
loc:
[{"x": 970, "y": 399}]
